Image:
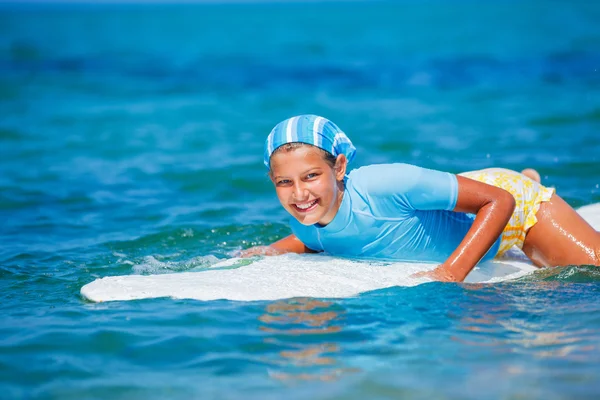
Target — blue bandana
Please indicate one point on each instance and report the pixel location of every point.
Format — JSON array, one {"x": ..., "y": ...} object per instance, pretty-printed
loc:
[{"x": 310, "y": 129}]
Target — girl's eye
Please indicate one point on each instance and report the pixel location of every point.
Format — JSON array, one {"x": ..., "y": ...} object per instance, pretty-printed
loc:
[
  {"x": 283, "y": 182},
  {"x": 311, "y": 176}
]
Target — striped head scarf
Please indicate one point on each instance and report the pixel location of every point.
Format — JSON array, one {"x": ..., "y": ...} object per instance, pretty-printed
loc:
[{"x": 310, "y": 129}]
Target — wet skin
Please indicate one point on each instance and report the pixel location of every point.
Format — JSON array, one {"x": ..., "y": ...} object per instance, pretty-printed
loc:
[{"x": 561, "y": 237}]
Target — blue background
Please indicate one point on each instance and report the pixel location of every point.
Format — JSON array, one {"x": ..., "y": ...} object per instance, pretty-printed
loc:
[{"x": 131, "y": 142}]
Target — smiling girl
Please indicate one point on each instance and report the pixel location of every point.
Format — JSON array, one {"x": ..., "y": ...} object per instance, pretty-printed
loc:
[{"x": 404, "y": 212}]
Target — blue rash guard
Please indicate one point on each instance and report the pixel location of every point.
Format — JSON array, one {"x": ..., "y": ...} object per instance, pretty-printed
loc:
[{"x": 394, "y": 212}]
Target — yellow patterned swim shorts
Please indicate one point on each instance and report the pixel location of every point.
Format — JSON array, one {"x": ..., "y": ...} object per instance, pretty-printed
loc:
[{"x": 528, "y": 195}]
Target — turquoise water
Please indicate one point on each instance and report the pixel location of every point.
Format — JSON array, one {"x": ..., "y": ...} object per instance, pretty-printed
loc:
[{"x": 131, "y": 143}]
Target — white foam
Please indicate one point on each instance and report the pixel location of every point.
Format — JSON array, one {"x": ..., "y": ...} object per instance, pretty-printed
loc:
[{"x": 292, "y": 275}]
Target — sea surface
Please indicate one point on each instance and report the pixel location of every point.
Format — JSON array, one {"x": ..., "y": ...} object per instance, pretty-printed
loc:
[{"x": 131, "y": 143}]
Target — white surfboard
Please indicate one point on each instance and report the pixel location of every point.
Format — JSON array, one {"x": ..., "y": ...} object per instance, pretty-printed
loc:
[{"x": 292, "y": 275}]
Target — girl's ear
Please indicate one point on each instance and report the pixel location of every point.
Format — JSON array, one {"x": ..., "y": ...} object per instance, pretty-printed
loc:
[{"x": 341, "y": 162}]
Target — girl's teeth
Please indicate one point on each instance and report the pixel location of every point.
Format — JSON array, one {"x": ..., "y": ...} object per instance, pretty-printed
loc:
[{"x": 305, "y": 206}]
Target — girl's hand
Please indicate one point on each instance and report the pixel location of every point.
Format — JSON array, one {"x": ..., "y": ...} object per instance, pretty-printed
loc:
[
  {"x": 441, "y": 274},
  {"x": 289, "y": 244},
  {"x": 259, "y": 251}
]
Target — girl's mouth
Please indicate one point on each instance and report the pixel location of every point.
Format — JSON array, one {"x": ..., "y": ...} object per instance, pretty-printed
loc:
[{"x": 306, "y": 207}]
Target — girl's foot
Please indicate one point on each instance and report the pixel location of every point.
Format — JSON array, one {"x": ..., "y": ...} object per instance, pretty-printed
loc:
[{"x": 532, "y": 174}]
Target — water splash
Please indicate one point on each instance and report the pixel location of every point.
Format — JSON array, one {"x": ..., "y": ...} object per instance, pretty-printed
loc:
[
  {"x": 151, "y": 265},
  {"x": 571, "y": 274}
]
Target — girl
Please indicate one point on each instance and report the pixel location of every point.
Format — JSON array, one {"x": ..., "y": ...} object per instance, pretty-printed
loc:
[{"x": 404, "y": 212}]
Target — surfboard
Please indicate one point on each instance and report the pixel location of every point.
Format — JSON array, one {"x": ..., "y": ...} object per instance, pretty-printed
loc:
[{"x": 293, "y": 275}]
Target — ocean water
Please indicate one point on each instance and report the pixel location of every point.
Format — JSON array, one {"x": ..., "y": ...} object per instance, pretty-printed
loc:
[{"x": 131, "y": 143}]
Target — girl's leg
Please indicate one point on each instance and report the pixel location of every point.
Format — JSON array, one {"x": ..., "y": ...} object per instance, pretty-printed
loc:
[{"x": 561, "y": 237}]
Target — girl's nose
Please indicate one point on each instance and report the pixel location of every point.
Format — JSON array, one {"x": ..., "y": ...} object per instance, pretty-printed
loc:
[{"x": 300, "y": 192}]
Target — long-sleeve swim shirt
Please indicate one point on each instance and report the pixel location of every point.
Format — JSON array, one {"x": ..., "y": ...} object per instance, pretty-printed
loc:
[{"x": 394, "y": 212}]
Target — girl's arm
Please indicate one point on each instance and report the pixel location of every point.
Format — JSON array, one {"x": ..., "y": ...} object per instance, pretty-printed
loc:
[
  {"x": 289, "y": 244},
  {"x": 493, "y": 207}
]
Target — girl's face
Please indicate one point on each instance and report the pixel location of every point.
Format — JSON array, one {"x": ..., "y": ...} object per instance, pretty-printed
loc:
[{"x": 306, "y": 185}]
